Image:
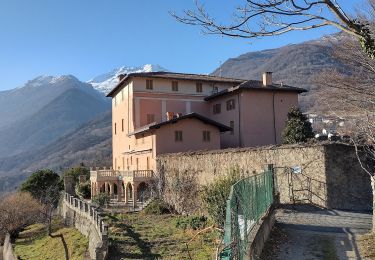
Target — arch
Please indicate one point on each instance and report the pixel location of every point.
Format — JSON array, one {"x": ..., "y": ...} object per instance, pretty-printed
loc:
[
  {"x": 129, "y": 190},
  {"x": 102, "y": 188},
  {"x": 115, "y": 190},
  {"x": 143, "y": 191}
]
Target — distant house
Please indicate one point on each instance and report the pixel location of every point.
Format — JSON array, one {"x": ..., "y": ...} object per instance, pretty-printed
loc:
[{"x": 163, "y": 112}]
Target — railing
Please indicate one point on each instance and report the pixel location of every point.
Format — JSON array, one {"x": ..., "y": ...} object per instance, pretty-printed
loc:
[
  {"x": 137, "y": 174},
  {"x": 91, "y": 212},
  {"x": 249, "y": 200}
]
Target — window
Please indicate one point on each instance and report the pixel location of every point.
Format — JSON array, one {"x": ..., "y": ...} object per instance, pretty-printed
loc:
[
  {"x": 217, "y": 109},
  {"x": 178, "y": 136},
  {"x": 174, "y": 85},
  {"x": 199, "y": 87},
  {"x": 115, "y": 129},
  {"x": 150, "y": 118},
  {"x": 206, "y": 136},
  {"x": 122, "y": 125},
  {"x": 231, "y": 125},
  {"x": 230, "y": 104},
  {"x": 149, "y": 84}
]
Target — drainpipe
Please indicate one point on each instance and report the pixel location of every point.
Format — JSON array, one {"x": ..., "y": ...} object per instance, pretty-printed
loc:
[
  {"x": 239, "y": 119},
  {"x": 274, "y": 116}
]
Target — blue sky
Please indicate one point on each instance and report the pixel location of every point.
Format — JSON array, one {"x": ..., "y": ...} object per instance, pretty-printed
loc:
[{"x": 86, "y": 38}]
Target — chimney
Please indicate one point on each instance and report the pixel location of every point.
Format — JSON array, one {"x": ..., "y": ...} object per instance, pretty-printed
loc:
[
  {"x": 267, "y": 79},
  {"x": 120, "y": 77},
  {"x": 170, "y": 115}
]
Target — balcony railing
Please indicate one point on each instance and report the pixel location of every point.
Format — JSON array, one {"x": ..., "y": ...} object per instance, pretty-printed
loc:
[{"x": 114, "y": 174}]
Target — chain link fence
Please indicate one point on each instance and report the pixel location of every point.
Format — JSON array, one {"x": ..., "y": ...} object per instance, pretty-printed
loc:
[{"x": 248, "y": 201}]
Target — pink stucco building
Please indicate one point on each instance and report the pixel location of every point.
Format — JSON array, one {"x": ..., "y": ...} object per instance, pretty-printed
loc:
[{"x": 163, "y": 112}]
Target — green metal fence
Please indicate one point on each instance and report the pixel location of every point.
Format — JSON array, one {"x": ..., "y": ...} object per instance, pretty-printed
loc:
[{"x": 249, "y": 199}]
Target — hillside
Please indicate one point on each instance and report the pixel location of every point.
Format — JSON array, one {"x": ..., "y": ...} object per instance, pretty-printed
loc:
[
  {"x": 68, "y": 111},
  {"x": 90, "y": 144},
  {"x": 295, "y": 65},
  {"x": 45, "y": 109}
]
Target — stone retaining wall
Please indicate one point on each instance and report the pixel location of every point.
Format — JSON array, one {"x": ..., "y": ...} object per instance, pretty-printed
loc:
[
  {"x": 8, "y": 253},
  {"x": 324, "y": 174},
  {"x": 260, "y": 234},
  {"x": 86, "y": 219}
]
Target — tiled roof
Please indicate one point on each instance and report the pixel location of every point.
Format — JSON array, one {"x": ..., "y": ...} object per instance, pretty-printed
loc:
[
  {"x": 176, "y": 76},
  {"x": 222, "y": 128},
  {"x": 256, "y": 85}
]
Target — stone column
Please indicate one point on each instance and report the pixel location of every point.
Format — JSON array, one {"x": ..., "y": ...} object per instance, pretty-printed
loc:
[
  {"x": 134, "y": 195},
  {"x": 69, "y": 185},
  {"x": 126, "y": 193},
  {"x": 98, "y": 185},
  {"x": 92, "y": 189},
  {"x": 119, "y": 191},
  {"x": 106, "y": 187}
]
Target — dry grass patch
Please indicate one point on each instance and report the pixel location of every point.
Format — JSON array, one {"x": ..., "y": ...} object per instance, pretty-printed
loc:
[
  {"x": 367, "y": 246},
  {"x": 141, "y": 236},
  {"x": 34, "y": 243}
]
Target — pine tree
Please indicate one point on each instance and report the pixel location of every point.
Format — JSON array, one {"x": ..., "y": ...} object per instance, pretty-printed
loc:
[{"x": 297, "y": 128}]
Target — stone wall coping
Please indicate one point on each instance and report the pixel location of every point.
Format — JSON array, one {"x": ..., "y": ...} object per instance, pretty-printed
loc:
[
  {"x": 91, "y": 213},
  {"x": 258, "y": 148},
  {"x": 8, "y": 253}
]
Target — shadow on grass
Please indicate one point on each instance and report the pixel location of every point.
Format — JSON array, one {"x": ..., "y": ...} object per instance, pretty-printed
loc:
[
  {"x": 144, "y": 247},
  {"x": 66, "y": 251}
]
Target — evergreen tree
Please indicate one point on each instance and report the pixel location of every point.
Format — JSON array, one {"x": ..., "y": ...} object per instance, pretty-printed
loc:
[{"x": 297, "y": 128}]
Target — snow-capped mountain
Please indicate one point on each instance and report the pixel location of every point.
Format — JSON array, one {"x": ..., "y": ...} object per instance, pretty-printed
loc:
[{"x": 106, "y": 82}]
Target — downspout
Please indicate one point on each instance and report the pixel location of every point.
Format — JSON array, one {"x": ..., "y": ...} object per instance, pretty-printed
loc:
[
  {"x": 274, "y": 116},
  {"x": 239, "y": 119},
  {"x": 128, "y": 107}
]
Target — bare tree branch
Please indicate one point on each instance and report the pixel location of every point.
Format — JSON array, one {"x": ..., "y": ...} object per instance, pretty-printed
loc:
[{"x": 262, "y": 18}]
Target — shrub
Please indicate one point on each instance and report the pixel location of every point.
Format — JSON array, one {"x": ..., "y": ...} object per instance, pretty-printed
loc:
[
  {"x": 157, "y": 207},
  {"x": 102, "y": 199},
  {"x": 192, "y": 222},
  {"x": 83, "y": 190},
  {"x": 76, "y": 172},
  {"x": 297, "y": 129},
  {"x": 44, "y": 185},
  {"x": 215, "y": 197}
]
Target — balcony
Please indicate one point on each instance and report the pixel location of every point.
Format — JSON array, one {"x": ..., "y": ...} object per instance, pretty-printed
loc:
[{"x": 127, "y": 176}]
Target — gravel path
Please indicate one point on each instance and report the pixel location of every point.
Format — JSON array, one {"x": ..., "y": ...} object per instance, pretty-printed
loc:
[{"x": 305, "y": 232}]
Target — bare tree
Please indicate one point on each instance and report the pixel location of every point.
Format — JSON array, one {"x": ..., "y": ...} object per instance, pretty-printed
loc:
[
  {"x": 17, "y": 211},
  {"x": 261, "y": 18},
  {"x": 348, "y": 95},
  {"x": 351, "y": 96}
]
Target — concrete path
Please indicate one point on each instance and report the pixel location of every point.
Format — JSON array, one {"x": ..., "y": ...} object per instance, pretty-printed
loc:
[{"x": 306, "y": 232}]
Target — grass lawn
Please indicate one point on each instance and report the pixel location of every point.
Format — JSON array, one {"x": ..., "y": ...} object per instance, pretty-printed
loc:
[
  {"x": 141, "y": 236},
  {"x": 367, "y": 246},
  {"x": 34, "y": 243}
]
